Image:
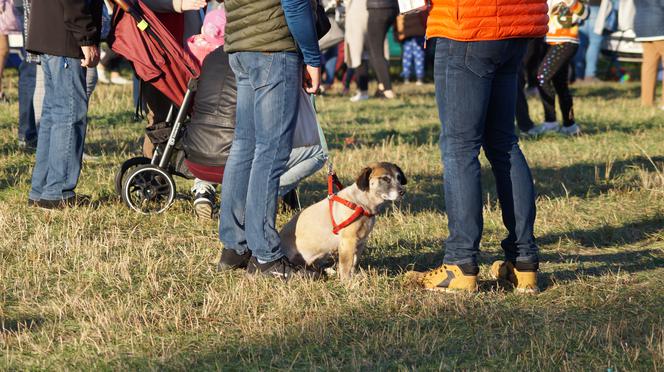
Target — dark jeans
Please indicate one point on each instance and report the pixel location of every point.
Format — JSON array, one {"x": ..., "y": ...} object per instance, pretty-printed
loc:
[
  {"x": 27, "y": 125},
  {"x": 528, "y": 75},
  {"x": 380, "y": 20},
  {"x": 362, "y": 76},
  {"x": 476, "y": 84},
  {"x": 553, "y": 79}
]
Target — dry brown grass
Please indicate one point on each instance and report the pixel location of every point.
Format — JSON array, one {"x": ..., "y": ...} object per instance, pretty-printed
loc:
[{"x": 104, "y": 288}]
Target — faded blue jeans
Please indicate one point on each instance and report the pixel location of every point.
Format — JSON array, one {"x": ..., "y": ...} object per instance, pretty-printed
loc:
[
  {"x": 589, "y": 46},
  {"x": 302, "y": 163},
  {"x": 476, "y": 87},
  {"x": 268, "y": 97},
  {"x": 61, "y": 130}
]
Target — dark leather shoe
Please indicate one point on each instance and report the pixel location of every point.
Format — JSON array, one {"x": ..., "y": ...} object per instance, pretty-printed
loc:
[{"x": 73, "y": 201}]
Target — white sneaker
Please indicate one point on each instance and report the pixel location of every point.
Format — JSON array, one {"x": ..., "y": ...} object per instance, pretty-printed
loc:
[
  {"x": 119, "y": 80},
  {"x": 360, "y": 96},
  {"x": 204, "y": 199},
  {"x": 419, "y": 82},
  {"x": 572, "y": 130},
  {"x": 547, "y": 126}
]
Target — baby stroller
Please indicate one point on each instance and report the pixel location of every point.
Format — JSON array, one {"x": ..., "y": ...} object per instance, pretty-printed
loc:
[{"x": 146, "y": 185}]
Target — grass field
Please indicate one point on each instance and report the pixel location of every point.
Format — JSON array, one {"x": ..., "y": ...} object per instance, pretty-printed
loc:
[{"x": 104, "y": 288}]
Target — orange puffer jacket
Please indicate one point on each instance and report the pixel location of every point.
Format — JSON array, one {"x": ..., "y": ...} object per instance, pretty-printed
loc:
[{"x": 474, "y": 20}]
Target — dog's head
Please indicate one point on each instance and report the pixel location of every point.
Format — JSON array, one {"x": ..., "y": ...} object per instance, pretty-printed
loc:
[{"x": 384, "y": 181}]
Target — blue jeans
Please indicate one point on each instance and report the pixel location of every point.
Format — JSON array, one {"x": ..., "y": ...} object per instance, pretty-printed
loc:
[
  {"x": 476, "y": 86},
  {"x": 302, "y": 163},
  {"x": 61, "y": 129},
  {"x": 27, "y": 125},
  {"x": 268, "y": 98},
  {"x": 589, "y": 46}
]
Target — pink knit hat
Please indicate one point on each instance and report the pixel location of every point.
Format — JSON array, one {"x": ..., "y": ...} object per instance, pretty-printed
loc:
[{"x": 211, "y": 36}]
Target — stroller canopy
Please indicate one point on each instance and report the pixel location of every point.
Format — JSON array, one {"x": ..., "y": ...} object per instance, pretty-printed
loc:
[{"x": 156, "y": 56}]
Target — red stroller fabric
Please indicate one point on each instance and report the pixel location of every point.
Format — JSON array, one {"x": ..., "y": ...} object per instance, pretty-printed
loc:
[{"x": 155, "y": 54}]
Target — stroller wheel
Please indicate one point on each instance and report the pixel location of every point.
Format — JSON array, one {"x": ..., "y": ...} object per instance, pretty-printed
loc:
[
  {"x": 148, "y": 190},
  {"x": 124, "y": 168}
]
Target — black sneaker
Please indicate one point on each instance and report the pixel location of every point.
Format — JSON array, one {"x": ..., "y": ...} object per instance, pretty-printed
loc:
[
  {"x": 204, "y": 200},
  {"x": 71, "y": 202},
  {"x": 281, "y": 269},
  {"x": 230, "y": 260}
]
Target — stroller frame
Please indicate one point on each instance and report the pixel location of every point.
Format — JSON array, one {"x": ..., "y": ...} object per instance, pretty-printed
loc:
[{"x": 144, "y": 184}]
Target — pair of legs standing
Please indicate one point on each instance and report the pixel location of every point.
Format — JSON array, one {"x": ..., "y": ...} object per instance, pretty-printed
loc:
[
  {"x": 653, "y": 58},
  {"x": 585, "y": 61},
  {"x": 61, "y": 131},
  {"x": 553, "y": 80},
  {"x": 413, "y": 58},
  {"x": 476, "y": 89},
  {"x": 267, "y": 86},
  {"x": 380, "y": 20}
]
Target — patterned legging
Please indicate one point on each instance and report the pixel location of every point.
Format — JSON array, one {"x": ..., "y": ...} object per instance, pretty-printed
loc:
[
  {"x": 413, "y": 54},
  {"x": 552, "y": 78}
]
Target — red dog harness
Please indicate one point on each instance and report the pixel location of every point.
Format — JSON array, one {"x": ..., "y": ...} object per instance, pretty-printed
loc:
[{"x": 332, "y": 181}]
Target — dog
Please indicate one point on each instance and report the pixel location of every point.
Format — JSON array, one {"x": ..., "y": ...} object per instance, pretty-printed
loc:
[{"x": 309, "y": 240}]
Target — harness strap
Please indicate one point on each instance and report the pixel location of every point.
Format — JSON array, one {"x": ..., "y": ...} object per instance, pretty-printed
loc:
[{"x": 358, "y": 211}]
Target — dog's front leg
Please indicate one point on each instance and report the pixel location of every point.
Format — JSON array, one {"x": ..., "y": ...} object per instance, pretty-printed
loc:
[{"x": 347, "y": 257}]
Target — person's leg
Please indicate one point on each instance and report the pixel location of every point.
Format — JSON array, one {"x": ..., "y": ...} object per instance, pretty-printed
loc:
[
  {"x": 579, "y": 61},
  {"x": 69, "y": 108},
  {"x": 594, "y": 44},
  {"x": 514, "y": 181},
  {"x": 276, "y": 79},
  {"x": 157, "y": 106},
  {"x": 232, "y": 216},
  {"x": 407, "y": 59},
  {"x": 4, "y": 53},
  {"x": 659, "y": 46},
  {"x": 362, "y": 76},
  {"x": 649, "y": 68},
  {"x": 561, "y": 84},
  {"x": 380, "y": 21},
  {"x": 302, "y": 163},
  {"x": 40, "y": 170},
  {"x": 27, "y": 127},
  {"x": 419, "y": 58},
  {"x": 462, "y": 97},
  {"x": 550, "y": 65},
  {"x": 523, "y": 120}
]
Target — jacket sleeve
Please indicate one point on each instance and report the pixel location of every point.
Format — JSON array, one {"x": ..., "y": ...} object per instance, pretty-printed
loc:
[
  {"x": 164, "y": 6},
  {"x": 80, "y": 21},
  {"x": 300, "y": 20}
]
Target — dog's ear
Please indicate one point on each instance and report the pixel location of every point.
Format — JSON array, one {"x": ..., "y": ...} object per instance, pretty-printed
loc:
[
  {"x": 401, "y": 176},
  {"x": 362, "y": 180}
]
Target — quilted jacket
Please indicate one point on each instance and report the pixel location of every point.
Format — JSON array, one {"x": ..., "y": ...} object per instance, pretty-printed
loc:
[{"x": 474, "y": 20}]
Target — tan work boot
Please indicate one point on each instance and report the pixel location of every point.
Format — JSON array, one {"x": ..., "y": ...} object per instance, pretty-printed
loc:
[
  {"x": 449, "y": 278},
  {"x": 524, "y": 280}
]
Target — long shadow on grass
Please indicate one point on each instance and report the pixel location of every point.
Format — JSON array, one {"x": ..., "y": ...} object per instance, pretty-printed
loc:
[{"x": 584, "y": 180}]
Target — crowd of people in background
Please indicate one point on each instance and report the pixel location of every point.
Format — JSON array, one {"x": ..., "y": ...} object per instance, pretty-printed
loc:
[{"x": 480, "y": 92}]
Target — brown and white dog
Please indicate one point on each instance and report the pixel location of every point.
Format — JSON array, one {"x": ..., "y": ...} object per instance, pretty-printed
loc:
[{"x": 308, "y": 239}]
